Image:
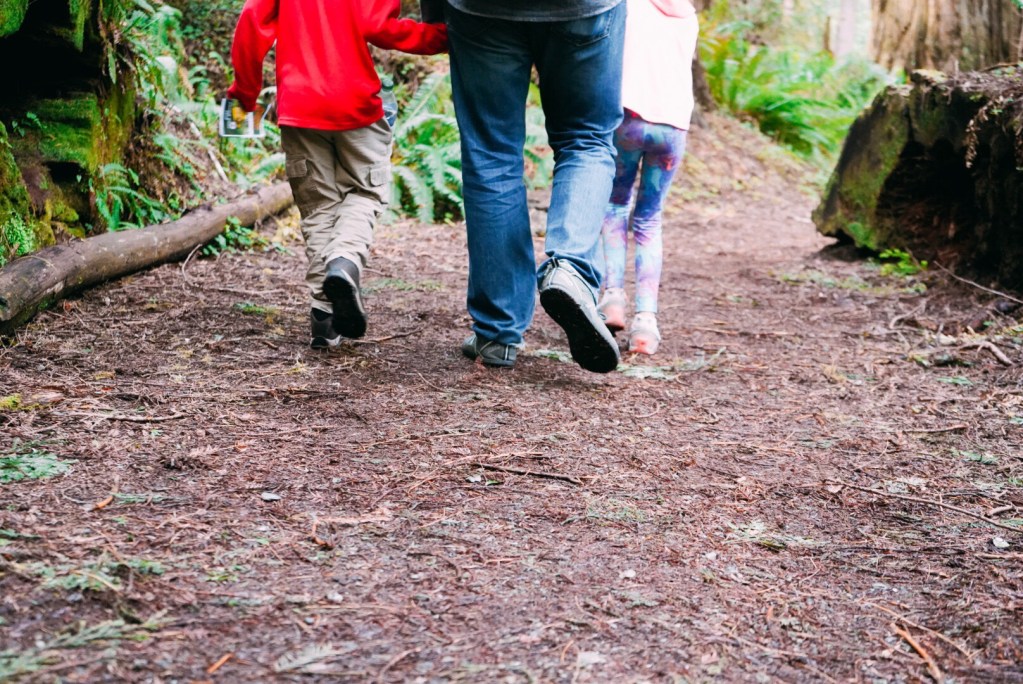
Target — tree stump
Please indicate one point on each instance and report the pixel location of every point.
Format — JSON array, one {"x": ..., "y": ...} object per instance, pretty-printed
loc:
[{"x": 936, "y": 168}]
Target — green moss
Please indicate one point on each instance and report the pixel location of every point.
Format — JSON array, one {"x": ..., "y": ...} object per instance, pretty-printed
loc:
[
  {"x": 78, "y": 12},
  {"x": 66, "y": 130},
  {"x": 12, "y": 13},
  {"x": 872, "y": 151},
  {"x": 10, "y": 403}
]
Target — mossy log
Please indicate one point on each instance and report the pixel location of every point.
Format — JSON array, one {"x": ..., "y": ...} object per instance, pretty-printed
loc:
[
  {"x": 936, "y": 168},
  {"x": 34, "y": 282}
]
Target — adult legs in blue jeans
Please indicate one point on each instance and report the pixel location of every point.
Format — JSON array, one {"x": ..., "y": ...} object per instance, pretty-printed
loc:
[{"x": 579, "y": 63}]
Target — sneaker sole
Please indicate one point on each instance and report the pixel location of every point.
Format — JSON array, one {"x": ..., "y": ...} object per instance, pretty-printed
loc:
[
  {"x": 592, "y": 347},
  {"x": 643, "y": 346},
  {"x": 488, "y": 362},
  {"x": 349, "y": 317},
  {"x": 325, "y": 342}
]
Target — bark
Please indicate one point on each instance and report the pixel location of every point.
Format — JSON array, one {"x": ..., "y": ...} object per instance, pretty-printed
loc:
[
  {"x": 701, "y": 91},
  {"x": 33, "y": 282},
  {"x": 948, "y": 35},
  {"x": 936, "y": 168}
]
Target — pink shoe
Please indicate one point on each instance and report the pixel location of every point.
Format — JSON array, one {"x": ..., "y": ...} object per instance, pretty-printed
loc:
[
  {"x": 644, "y": 337},
  {"x": 612, "y": 308}
]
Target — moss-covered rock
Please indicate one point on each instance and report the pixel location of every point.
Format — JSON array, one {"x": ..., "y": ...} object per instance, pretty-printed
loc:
[
  {"x": 67, "y": 115},
  {"x": 932, "y": 168},
  {"x": 78, "y": 129}
]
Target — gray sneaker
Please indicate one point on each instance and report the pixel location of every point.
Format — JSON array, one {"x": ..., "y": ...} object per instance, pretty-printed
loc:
[
  {"x": 323, "y": 335},
  {"x": 569, "y": 300},
  {"x": 490, "y": 352}
]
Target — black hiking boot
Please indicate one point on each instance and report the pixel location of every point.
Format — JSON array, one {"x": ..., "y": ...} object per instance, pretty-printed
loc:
[
  {"x": 323, "y": 335},
  {"x": 342, "y": 289}
]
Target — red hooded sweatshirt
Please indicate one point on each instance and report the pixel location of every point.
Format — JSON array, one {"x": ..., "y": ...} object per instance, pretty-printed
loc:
[{"x": 326, "y": 78}]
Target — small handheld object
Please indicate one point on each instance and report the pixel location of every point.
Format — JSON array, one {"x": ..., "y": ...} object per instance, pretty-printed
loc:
[
  {"x": 389, "y": 101},
  {"x": 235, "y": 122}
]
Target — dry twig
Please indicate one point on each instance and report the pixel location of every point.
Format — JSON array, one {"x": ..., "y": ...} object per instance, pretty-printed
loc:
[
  {"x": 532, "y": 473},
  {"x": 979, "y": 286},
  {"x": 932, "y": 666},
  {"x": 220, "y": 663},
  {"x": 939, "y": 635},
  {"x": 929, "y": 502},
  {"x": 990, "y": 346}
]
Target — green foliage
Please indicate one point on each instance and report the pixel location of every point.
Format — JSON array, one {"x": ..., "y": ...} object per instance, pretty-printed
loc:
[
  {"x": 235, "y": 237},
  {"x": 100, "y": 575},
  {"x": 25, "y": 461},
  {"x": 427, "y": 159},
  {"x": 153, "y": 50},
  {"x": 18, "y": 664},
  {"x": 427, "y": 155},
  {"x": 181, "y": 133},
  {"x": 900, "y": 263},
  {"x": 806, "y": 101},
  {"x": 120, "y": 201},
  {"x": 539, "y": 157},
  {"x": 16, "y": 239}
]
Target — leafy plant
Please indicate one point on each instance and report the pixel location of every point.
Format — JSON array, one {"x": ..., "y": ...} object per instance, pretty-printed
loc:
[
  {"x": 100, "y": 575},
  {"x": 235, "y": 237},
  {"x": 120, "y": 201},
  {"x": 805, "y": 101},
  {"x": 15, "y": 664},
  {"x": 900, "y": 263},
  {"x": 25, "y": 461},
  {"x": 427, "y": 160},
  {"x": 16, "y": 239}
]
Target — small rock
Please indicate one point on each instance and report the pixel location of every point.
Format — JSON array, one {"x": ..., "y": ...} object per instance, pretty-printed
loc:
[
  {"x": 628, "y": 574},
  {"x": 270, "y": 496},
  {"x": 1000, "y": 543}
]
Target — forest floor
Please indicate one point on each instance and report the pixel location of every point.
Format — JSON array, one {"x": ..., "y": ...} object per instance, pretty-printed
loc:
[{"x": 817, "y": 478}]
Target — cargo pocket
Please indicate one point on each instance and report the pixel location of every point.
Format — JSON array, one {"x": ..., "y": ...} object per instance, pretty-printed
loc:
[
  {"x": 380, "y": 174},
  {"x": 302, "y": 189}
]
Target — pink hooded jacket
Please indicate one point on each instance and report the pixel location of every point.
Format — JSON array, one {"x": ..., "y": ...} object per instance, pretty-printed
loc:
[{"x": 657, "y": 80}]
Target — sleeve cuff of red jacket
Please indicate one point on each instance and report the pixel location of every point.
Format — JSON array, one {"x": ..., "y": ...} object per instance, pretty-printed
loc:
[{"x": 248, "y": 102}]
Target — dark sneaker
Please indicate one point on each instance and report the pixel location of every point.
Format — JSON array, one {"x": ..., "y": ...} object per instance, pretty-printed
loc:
[
  {"x": 568, "y": 299},
  {"x": 490, "y": 352},
  {"x": 342, "y": 289},
  {"x": 323, "y": 335}
]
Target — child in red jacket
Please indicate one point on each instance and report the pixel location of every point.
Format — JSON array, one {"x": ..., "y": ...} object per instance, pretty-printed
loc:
[{"x": 337, "y": 145}]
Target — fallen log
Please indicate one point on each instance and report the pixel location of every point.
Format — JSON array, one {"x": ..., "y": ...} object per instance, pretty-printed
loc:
[
  {"x": 935, "y": 167},
  {"x": 36, "y": 281}
]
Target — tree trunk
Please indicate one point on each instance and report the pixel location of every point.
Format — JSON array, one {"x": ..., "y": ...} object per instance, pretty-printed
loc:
[
  {"x": 947, "y": 35},
  {"x": 33, "y": 282},
  {"x": 845, "y": 30},
  {"x": 934, "y": 168}
]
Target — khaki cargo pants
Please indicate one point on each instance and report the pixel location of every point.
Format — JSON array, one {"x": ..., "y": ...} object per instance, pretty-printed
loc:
[{"x": 341, "y": 181}]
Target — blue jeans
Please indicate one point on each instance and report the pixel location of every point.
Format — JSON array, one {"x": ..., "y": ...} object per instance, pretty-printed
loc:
[{"x": 580, "y": 67}]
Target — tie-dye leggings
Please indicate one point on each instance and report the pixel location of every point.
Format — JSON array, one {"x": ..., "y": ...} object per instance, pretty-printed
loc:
[{"x": 660, "y": 148}]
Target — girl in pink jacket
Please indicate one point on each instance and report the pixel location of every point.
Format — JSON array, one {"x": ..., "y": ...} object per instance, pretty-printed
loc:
[{"x": 657, "y": 93}]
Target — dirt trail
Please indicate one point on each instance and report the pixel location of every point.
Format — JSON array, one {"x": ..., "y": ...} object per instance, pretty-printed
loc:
[{"x": 788, "y": 491}]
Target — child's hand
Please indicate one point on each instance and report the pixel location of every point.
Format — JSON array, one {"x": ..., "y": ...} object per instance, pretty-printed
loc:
[{"x": 237, "y": 113}]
